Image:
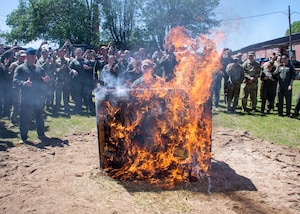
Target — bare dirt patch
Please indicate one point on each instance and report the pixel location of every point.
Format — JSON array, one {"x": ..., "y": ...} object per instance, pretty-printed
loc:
[{"x": 248, "y": 175}]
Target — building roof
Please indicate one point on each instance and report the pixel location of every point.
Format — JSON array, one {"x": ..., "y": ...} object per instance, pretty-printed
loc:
[{"x": 283, "y": 41}]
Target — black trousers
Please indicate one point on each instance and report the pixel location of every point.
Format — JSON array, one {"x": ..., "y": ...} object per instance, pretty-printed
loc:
[
  {"x": 284, "y": 93},
  {"x": 27, "y": 110}
]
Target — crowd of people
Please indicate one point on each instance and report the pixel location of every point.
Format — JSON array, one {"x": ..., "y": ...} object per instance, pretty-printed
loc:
[
  {"x": 275, "y": 78},
  {"x": 35, "y": 80}
]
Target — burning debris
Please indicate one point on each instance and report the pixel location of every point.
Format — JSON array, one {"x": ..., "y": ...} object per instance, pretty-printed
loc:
[{"x": 160, "y": 131}]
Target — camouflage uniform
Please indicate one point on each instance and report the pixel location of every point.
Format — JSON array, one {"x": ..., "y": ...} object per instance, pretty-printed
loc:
[
  {"x": 7, "y": 87},
  {"x": 49, "y": 67},
  {"x": 250, "y": 84},
  {"x": 62, "y": 83},
  {"x": 235, "y": 73},
  {"x": 14, "y": 112}
]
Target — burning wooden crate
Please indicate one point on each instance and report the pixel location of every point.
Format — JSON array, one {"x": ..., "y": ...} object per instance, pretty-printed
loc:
[
  {"x": 153, "y": 135},
  {"x": 161, "y": 132}
]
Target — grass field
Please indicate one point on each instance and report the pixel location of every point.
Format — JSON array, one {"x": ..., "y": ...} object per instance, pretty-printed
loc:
[{"x": 279, "y": 130}]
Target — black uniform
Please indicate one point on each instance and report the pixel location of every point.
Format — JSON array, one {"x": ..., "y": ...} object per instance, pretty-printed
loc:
[
  {"x": 286, "y": 74},
  {"x": 31, "y": 98}
]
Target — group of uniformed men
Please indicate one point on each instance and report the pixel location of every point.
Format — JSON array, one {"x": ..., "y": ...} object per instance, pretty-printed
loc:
[{"x": 276, "y": 77}]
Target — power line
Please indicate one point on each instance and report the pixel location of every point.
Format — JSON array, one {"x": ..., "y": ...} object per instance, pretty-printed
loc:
[{"x": 254, "y": 16}]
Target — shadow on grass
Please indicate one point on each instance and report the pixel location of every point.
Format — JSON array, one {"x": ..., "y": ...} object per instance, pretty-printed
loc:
[
  {"x": 5, "y": 136},
  {"x": 4, "y": 145}
]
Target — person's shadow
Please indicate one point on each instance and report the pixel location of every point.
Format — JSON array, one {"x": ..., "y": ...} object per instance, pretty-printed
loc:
[
  {"x": 5, "y": 136},
  {"x": 49, "y": 142}
]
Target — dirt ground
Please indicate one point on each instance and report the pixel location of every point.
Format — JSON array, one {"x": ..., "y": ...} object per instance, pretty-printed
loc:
[{"x": 248, "y": 175}]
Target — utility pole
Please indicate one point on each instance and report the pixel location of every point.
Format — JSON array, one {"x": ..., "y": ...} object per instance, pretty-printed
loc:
[{"x": 290, "y": 35}]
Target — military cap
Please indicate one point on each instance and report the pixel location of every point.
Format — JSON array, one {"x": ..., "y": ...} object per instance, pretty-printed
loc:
[
  {"x": 251, "y": 53},
  {"x": 21, "y": 53},
  {"x": 235, "y": 57}
]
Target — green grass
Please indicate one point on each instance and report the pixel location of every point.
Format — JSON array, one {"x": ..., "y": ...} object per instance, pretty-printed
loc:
[
  {"x": 270, "y": 127},
  {"x": 55, "y": 126}
]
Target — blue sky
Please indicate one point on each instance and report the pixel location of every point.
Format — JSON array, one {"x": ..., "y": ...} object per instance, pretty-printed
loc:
[
  {"x": 262, "y": 20},
  {"x": 257, "y": 27}
]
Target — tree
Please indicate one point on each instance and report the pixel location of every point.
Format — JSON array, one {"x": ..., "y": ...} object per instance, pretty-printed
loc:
[
  {"x": 126, "y": 21},
  {"x": 19, "y": 21},
  {"x": 295, "y": 28},
  {"x": 119, "y": 19},
  {"x": 162, "y": 15},
  {"x": 56, "y": 21}
]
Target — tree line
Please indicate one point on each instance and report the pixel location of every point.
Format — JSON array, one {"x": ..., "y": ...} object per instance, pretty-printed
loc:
[{"x": 128, "y": 23}]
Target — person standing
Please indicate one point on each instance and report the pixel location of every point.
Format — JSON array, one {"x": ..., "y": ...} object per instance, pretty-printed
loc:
[
  {"x": 250, "y": 84},
  {"x": 225, "y": 60},
  {"x": 7, "y": 83},
  {"x": 90, "y": 81},
  {"x": 78, "y": 72},
  {"x": 286, "y": 74},
  {"x": 166, "y": 65},
  {"x": 235, "y": 73},
  {"x": 2, "y": 91},
  {"x": 30, "y": 78},
  {"x": 47, "y": 62},
  {"x": 268, "y": 86},
  {"x": 15, "y": 108},
  {"x": 297, "y": 107},
  {"x": 63, "y": 81},
  {"x": 216, "y": 87},
  {"x": 110, "y": 73}
]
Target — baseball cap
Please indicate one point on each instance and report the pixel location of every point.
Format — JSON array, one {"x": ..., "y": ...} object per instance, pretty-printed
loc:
[{"x": 30, "y": 51}]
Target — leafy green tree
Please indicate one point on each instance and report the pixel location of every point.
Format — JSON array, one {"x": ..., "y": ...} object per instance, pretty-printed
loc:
[
  {"x": 119, "y": 20},
  {"x": 19, "y": 18},
  {"x": 295, "y": 28},
  {"x": 127, "y": 22},
  {"x": 162, "y": 15},
  {"x": 56, "y": 21}
]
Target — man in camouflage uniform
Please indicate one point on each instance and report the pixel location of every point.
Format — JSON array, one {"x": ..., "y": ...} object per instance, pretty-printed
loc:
[
  {"x": 46, "y": 61},
  {"x": 63, "y": 81},
  {"x": 14, "y": 112},
  {"x": 250, "y": 84},
  {"x": 7, "y": 59},
  {"x": 225, "y": 60},
  {"x": 235, "y": 74}
]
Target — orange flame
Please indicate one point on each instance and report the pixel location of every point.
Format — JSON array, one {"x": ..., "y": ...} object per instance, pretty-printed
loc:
[{"x": 162, "y": 133}]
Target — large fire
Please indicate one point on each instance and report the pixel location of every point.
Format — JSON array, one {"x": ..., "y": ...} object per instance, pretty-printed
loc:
[{"x": 160, "y": 131}]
